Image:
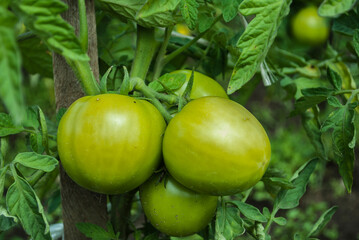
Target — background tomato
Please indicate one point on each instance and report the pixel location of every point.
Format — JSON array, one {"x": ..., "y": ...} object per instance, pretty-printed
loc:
[
  {"x": 174, "y": 209},
  {"x": 216, "y": 146},
  {"x": 310, "y": 28},
  {"x": 110, "y": 143},
  {"x": 202, "y": 85}
]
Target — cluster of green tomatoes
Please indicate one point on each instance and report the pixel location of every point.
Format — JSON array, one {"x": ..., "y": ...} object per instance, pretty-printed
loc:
[{"x": 213, "y": 147}]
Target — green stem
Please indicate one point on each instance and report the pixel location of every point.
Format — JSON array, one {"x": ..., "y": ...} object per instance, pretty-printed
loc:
[
  {"x": 83, "y": 25},
  {"x": 84, "y": 74},
  {"x": 150, "y": 93},
  {"x": 34, "y": 132},
  {"x": 270, "y": 220},
  {"x": 343, "y": 92},
  {"x": 246, "y": 195},
  {"x": 4, "y": 142},
  {"x": 161, "y": 53},
  {"x": 169, "y": 57},
  {"x": 145, "y": 49},
  {"x": 354, "y": 93}
]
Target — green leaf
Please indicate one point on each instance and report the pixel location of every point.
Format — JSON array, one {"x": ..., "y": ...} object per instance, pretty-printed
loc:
[
  {"x": 43, "y": 125},
  {"x": 169, "y": 81},
  {"x": 59, "y": 115},
  {"x": 32, "y": 118},
  {"x": 257, "y": 38},
  {"x": 94, "y": 231},
  {"x": 356, "y": 41},
  {"x": 249, "y": 211},
  {"x": 334, "y": 102},
  {"x": 36, "y": 142},
  {"x": 334, "y": 79},
  {"x": 37, "y": 161},
  {"x": 103, "y": 81},
  {"x": 126, "y": 84},
  {"x": 6, "y": 220},
  {"x": 312, "y": 128},
  {"x": 36, "y": 57},
  {"x": 7, "y": 126},
  {"x": 280, "y": 221},
  {"x": 282, "y": 182},
  {"x": 333, "y": 8},
  {"x": 43, "y": 18},
  {"x": 287, "y": 199},
  {"x": 322, "y": 221},
  {"x": 205, "y": 18},
  {"x": 125, "y": 8},
  {"x": 189, "y": 85},
  {"x": 22, "y": 202},
  {"x": 10, "y": 67},
  {"x": 295, "y": 87},
  {"x": 312, "y": 97},
  {"x": 341, "y": 121},
  {"x": 158, "y": 13},
  {"x": 266, "y": 212},
  {"x": 189, "y": 12},
  {"x": 346, "y": 23},
  {"x": 2, "y": 179},
  {"x": 320, "y": 91},
  {"x": 191, "y": 237},
  {"x": 229, "y": 225},
  {"x": 229, "y": 8}
]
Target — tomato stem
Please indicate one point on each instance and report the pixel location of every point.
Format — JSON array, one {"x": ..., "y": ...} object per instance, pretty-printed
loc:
[
  {"x": 140, "y": 85},
  {"x": 161, "y": 53},
  {"x": 172, "y": 55},
  {"x": 145, "y": 49},
  {"x": 83, "y": 36},
  {"x": 85, "y": 75}
]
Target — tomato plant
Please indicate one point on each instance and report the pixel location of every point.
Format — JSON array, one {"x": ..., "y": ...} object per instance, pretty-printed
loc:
[
  {"x": 310, "y": 28},
  {"x": 119, "y": 54},
  {"x": 110, "y": 143},
  {"x": 173, "y": 209},
  {"x": 216, "y": 146},
  {"x": 202, "y": 85}
]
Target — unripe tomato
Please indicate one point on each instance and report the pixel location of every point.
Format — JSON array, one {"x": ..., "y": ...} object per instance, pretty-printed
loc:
[
  {"x": 216, "y": 146},
  {"x": 310, "y": 28},
  {"x": 110, "y": 143},
  {"x": 174, "y": 209},
  {"x": 202, "y": 85},
  {"x": 183, "y": 29}
]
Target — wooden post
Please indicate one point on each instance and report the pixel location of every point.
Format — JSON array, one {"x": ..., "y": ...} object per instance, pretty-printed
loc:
[{"x": 78, "y": 204}]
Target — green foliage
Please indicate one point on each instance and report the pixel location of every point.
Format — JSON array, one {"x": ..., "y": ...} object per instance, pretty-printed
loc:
[
  {"x": 189, "y": 12},
  {"x": 257, "y": 38},
  {"x": 23, "y": 203},
  {"x": 10, "y": 63},
  {"x": 42, "y": 17},
  {"x": 97, "y": 233},
  {"x": 332, "y": 8}
]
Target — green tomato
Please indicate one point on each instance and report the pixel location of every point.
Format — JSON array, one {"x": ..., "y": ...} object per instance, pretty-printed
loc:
[
  {"x": 216, "y": 146},
  {"x": 174, "y": 209},
  {"x": 110, "y": 143},
  {"x": 202, "y": 85},
  {"x": 310, "y": 28}
]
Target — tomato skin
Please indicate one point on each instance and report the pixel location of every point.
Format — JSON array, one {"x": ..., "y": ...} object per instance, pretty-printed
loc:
[
  {"x": 202, "y": 85},
  {"x": 110, "y": 143},
  {"x": 174, "y": 209},
  {"x": 310, "y": 28},
  {"x": 216, "y": 146}
]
